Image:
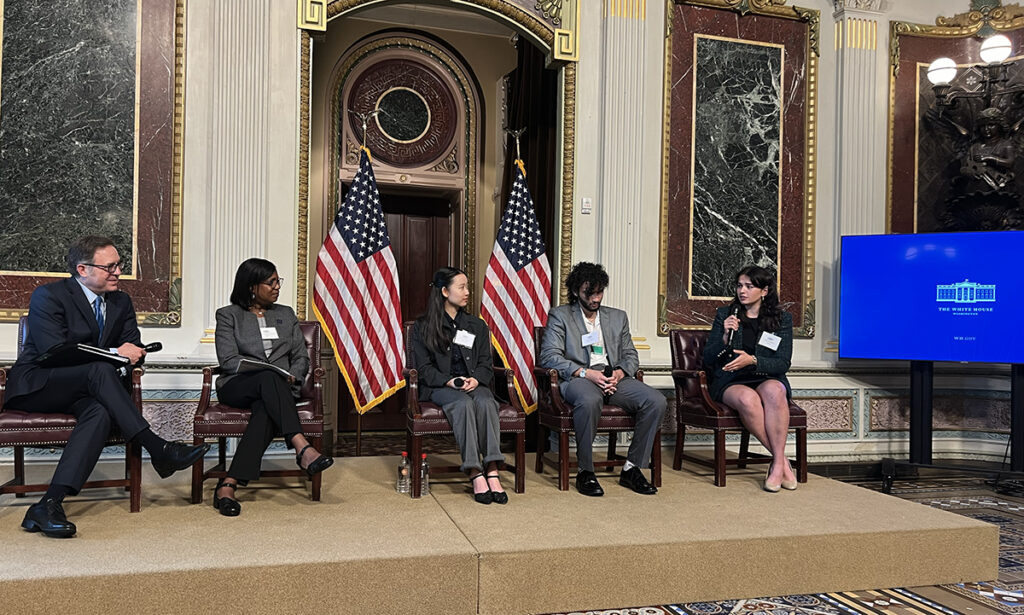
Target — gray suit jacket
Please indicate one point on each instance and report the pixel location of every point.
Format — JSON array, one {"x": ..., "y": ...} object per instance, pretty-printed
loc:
[
  {"x": 238, "y": 336},
  {"x": 562, "y": 347}
]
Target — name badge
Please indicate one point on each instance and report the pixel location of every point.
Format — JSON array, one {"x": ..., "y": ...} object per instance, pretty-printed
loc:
[
  {"x": 769, "y": 341},
  {"x": 268, "y": 333},
  {"x": 589, "y": 339},
  {"x": 464, "y": 338}
]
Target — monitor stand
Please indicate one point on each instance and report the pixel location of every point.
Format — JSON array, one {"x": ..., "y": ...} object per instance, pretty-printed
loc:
[{"x": 921, "y": 375}]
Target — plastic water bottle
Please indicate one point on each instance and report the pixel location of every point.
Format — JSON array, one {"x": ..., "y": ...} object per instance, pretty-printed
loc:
[
  {"x": 402, "y": 482},
  {"x": 424, "y": 476}
]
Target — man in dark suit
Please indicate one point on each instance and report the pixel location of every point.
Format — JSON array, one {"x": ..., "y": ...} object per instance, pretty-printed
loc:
[
  {"x": 85, "y": 308},
  {"x": 581, "y": 339}
]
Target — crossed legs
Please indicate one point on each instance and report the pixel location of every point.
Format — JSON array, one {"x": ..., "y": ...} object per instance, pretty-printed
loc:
[{"x": 765, "y": 413}]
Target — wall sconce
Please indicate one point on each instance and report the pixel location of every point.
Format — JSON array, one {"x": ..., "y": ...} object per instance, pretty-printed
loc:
[{"x": 994, "y": 51}]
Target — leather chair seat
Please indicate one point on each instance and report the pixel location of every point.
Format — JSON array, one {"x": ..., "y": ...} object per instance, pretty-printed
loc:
[{"x": 39, "y": 429}]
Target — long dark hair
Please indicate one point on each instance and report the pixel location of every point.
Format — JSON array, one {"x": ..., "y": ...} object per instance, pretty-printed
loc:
[
  {"x": 431, "y": 323},
  {"x": 250, "y": 273},
  {"x": 770, "y": 316}
]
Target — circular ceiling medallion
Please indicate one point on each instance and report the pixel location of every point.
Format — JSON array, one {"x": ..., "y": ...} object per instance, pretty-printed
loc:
[{"x": 417, "y": 119}]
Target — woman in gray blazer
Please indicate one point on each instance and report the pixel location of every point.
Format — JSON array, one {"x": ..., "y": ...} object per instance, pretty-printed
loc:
[
  {"x": 256, "y": 328},
  {"x": 748, "y": 353}
]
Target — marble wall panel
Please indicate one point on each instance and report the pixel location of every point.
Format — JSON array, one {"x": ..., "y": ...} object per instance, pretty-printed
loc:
[
  {"x": 67, "y": 129},
  {"x": 747, "y": 234},
  {"x": 736, "y": 161},
  {"x": 90, "y": 142}
]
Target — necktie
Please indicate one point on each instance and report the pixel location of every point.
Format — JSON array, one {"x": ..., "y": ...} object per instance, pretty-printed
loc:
[{"x": 98, "y": 304}]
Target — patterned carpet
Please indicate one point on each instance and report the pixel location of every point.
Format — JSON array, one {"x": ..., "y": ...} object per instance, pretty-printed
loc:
[{"x": 970, "y": 497}]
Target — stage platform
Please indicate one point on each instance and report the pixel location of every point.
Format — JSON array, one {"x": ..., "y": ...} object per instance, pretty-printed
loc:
[{"x": 367, "y": 549}]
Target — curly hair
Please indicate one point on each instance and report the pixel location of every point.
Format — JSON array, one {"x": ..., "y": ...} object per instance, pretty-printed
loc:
[
  {"x": 591, "y": 274},
  {"x": 770, "y": 316}
]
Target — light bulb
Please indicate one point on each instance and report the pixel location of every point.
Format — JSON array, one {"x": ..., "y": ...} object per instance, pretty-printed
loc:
[
  {"x": 995, "y": 49},
  {"x": 941, "y": 71}
]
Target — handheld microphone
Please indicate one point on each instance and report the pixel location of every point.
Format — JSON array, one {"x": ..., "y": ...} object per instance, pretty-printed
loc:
[
  {"x": 153, "y": 347},
  {"x": 458, "y": 382},
  {"x": 727, "y": 353},
  {"x": 608, "y": 371}
]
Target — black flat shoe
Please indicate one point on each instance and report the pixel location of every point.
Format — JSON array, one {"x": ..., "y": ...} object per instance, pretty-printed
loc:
[
  {"x": 47, "y": 516},
  {"x": 229, "y": 507},
  {"x": 315, "y": 467},
  {"x": 484, "y": 497},
  {"x": 176, "y": 456},
  {"x": 498, "y": 497}
]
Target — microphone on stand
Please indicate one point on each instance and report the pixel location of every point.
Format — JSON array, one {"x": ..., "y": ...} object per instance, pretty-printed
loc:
[{"x": 727, "y": 353}]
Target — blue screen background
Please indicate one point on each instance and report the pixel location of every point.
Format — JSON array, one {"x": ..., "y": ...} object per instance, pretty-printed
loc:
[{"x": 888, "y": 307}]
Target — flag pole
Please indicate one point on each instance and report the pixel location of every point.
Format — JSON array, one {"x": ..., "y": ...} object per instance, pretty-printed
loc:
[
  {"x": 365, "y": 117},
  {"x": 515, "y": 135}
]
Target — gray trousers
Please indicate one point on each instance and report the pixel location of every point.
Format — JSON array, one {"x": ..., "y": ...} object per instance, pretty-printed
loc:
[
  {"x": 631, "y": 395},
  {"x": 474, "y": 419}
]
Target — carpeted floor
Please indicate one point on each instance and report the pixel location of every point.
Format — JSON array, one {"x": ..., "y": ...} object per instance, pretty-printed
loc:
[{"x": 970, "y": 497}]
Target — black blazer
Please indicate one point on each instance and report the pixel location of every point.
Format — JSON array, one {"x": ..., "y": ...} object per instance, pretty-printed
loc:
[
  {"x": 238, "y": 336},
  {"x": 773, "y": 363},
  {"x": 59, "y": 313},
  {"x": 435, "y": 367}
]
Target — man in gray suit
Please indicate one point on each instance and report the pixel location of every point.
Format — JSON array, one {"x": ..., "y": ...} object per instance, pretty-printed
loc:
[{"x": 581, "y": 340}]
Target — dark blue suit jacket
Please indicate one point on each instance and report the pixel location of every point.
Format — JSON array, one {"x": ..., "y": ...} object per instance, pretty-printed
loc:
[{"x": 59, "y": 313}]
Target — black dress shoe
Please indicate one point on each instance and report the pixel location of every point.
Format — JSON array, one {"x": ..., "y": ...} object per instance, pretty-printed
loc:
[
  {"x": 47, "y": 516},
  {"x": 635, "y": 480},
  {"x": 229, "y": 507},
  {"x": 316, "y": 466},
  {"x": 176, "y": 456},
  {"x": 586, "y": 483}
]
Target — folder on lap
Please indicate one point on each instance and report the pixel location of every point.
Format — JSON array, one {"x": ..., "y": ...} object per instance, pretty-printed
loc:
[
  {"x": 248, "y": 365},
  {"x": 67, "y": 355}
]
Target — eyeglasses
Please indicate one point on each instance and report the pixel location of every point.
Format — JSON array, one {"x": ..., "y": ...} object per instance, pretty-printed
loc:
[
  {"x": 274, "y": 283},
  {"x": 118, "y": 266}
]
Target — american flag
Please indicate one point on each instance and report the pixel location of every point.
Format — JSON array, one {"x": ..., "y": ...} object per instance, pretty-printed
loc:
[
  {"x": 356, "y": 294},
  {"x": 517, "y": 288}
]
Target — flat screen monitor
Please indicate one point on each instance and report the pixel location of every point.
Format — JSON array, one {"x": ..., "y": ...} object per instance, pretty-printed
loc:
[{"x": 933, "y": 297}]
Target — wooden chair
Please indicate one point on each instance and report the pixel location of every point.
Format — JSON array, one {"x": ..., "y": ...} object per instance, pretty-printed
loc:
[
  {"x": 424, "y": 418},
  {"x": 221, "y": 421},
  {"x": 20, "y": 428},
  {"x": 554, "y": 414},
  {"x": 695, "y": 407}
]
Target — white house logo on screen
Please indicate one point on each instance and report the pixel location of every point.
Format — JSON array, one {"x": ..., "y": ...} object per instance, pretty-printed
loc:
[{"x": 965, "y": 292}]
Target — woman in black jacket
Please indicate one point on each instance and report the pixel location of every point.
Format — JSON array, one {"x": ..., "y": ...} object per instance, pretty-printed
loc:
[
  {"x": 452, "y": 353},
  {"x": 748, "y": 368}
]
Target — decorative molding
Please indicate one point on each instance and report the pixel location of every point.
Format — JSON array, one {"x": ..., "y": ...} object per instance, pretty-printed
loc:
[
  {"x": 875, "y": 6},
  {"x": 449, "y": 164},
  {"x": 552, "y": 10},
  {"x": 568, "y": 175},
  {"x": 302, "y": 244},
  {"x": 312, "y": 15}
]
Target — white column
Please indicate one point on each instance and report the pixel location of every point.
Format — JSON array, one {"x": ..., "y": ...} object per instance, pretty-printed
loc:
[
  {"x": 241, "y": 126},
  {"x": 629, "y": 165},
  {"x": 861, "y": 98}
]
